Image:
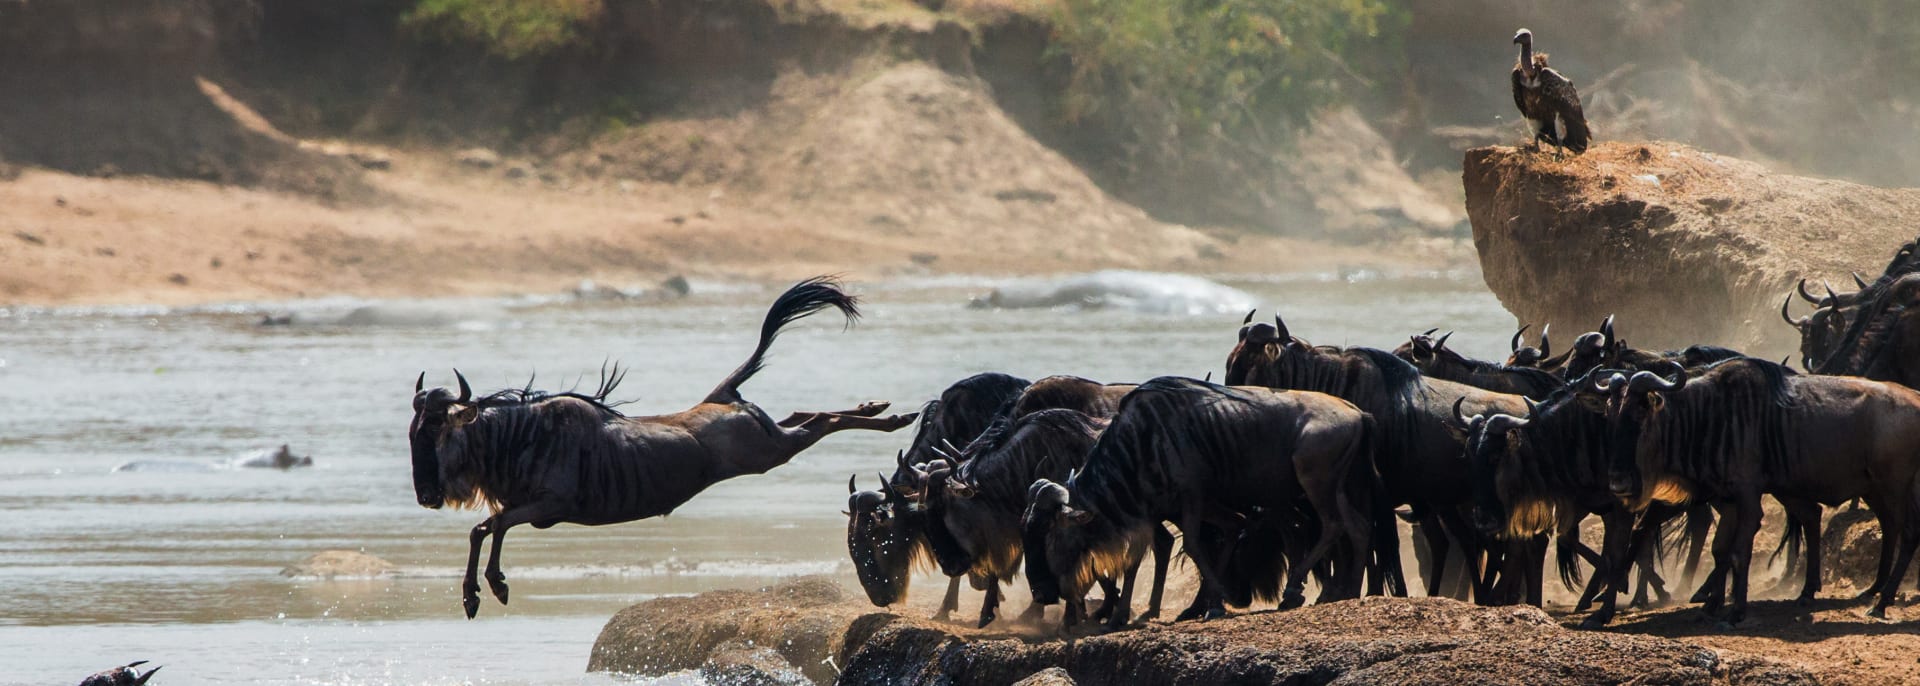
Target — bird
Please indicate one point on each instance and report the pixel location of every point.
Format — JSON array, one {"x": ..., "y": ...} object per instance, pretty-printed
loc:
[
  {"x": 1547, "y": 98},
  {"x": 121, "y": 676}
]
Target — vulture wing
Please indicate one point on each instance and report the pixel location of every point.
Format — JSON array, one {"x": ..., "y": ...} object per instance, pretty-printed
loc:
[
  {"x": 1560, "y": 97},
  {"x": 1520, "y": 92}
]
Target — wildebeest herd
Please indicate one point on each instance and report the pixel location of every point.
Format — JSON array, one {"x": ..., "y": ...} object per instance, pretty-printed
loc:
[{"x": 1301, "y": 464}]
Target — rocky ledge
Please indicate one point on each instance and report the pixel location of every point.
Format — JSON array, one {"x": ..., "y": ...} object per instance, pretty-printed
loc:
[
  {"x": 829, "y": 636},
  {"x": 1685, "y": 246}
]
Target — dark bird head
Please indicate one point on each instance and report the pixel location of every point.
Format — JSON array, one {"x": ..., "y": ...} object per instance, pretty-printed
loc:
[{"x": 1523, "y": 37}]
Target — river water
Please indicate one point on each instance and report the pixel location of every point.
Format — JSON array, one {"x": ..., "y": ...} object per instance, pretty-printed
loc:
[{"x": 183, "y": 568}]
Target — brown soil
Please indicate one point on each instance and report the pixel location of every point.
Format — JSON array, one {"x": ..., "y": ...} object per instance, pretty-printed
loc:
[{"x": 1684, "y": 246}]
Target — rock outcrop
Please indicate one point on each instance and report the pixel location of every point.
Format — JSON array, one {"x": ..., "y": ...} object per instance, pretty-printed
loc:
[
  {"x": 833, "y": 638},
  {"x": 1684, "y": 246}
]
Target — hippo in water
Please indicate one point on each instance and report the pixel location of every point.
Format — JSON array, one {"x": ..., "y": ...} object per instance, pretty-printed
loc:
[
  {"x": 121, "y": 676},
  {"x": 1147, "y": 292},
  {"x": 278, "y": 458}
]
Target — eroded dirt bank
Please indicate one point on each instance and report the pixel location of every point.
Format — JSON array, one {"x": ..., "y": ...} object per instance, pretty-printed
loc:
[
  {"x": 833, "y": 636},
  {"x": 1684, "y": 246}
]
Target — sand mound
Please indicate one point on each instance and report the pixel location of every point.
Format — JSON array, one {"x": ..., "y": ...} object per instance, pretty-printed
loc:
[
  {"x": 1632, "y": 228},
  {"x": 915, "y": 149},
  {"x": 340, "y": 564}
]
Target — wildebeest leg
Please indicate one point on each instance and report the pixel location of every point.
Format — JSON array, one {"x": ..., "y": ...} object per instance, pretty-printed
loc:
[
  {"x": 1616, "y": 540},
  {"x": 990, "y": 608},
  {"x": 1474, "y": 553},
  {"x": 1436, "y": 552},
  {"x": 1111, "y": 593},
  {"x": 1191, "y": 526},
  {"x": 1122, "y": 612},
  {"x": 1699, "y": 521},
  {"x": 1804, "y": 515},
  {"x": 470, "y": 585},
  {"x": 544, "y": 511},
  {"x": 810, "y": 431},
  {"x": 1747, "y": 511},
  {"x": 951, "y": 602},
  {"x": 1890, "y": 584},
  {"x": 1162, "y": 556},
  {"x": 872, "y": 409}
]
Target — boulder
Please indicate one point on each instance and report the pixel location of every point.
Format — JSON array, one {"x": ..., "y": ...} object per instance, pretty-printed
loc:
[
  {"x": 340, "y": 564},
  {"x": 1684, "y": 246},
  {"x": 804, "y": 621}
]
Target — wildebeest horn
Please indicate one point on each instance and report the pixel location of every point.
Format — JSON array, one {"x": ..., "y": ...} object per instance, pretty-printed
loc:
[
  {"x": 1831, "y": 297},
  {"x": 420, "y": 384},
  {"x": 1857, "y": 281},
  {"x": 1804, "y": 295},
  {"x": 1209, "y": 378},
  {"x": 1442, "y": 343},
  {"x": 1605, "y": 384},
  {"x": 1606, "y": 331},
  {"x": 1544, "y": 344},
  {"x": 883, "y": 481},
  {"x": 1797, "y": 323},
  {"x": 1281, "y": 327},
  {"x": 900, "y": 457},
  {"x": 1531, "y": 405},
  {"x": 1457, "y": 414},
  {"x": 1649, "y": 381},
  {"x": 1514, "y": 345},
  {"x": 1429, "y": 332},
  {"x": 466, "y": 392},
  {"x": 1249, "y": 319},
  {"x": 952, "y": 450},
  {"x": 850, "y": 487}
]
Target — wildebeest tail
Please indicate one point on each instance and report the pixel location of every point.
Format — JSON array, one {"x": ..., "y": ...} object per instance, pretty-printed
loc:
[
  {"x": 804, "y": 298},
  {"x": 1789, "y": 543},
  {"x": 1384, "y": 560},
  {"x": 1566, "y": 558}
]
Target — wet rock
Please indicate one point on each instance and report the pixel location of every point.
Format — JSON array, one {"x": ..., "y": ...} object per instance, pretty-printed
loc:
[
  {"x": 740, "y": 664},
  {"x": 1725, "y": 236},
  {"x": 1368, "y": 641},
  {"x": 1051, "y": 676},
  {"x": 340, "y": 564},
  {"x": 804, "y": 620}
]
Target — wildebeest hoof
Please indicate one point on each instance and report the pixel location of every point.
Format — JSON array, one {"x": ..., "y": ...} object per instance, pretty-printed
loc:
[
  {"x": 985, "y": 619},
  {"x": 1188, "y": 614},
  {"x": 1149, "y": 616},
  {"x": 499, "y": 588},
  {"x": 1596, "y": 621},
  {"x": 870, "y": 409},
  {"x": 1292, "y": 601},
  {"x": 1212, "y": 613},
  {"x": 472, "y": 603},
  {"x": 1700, "y": 596},
  {"x": 942, "y": 616},
  {"x": 1878, "y": 612}
]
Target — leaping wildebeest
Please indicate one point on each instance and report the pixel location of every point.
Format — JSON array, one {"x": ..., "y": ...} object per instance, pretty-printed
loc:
[{"x": 541, "y": 458}]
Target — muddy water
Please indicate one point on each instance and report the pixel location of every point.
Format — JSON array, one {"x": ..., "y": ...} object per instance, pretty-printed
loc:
[{"x": 99, "y": 567}]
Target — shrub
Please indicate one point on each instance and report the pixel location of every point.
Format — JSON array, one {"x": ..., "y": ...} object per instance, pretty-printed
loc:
[{"x": 513, "y": 29}]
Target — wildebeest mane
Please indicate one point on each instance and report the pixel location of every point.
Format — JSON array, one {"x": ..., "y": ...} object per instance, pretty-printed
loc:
[
  {"x": 1706, "y": 434},
  {"x": 967, "y": 408},
  {"x": 1531, "y": 382},
  {"x": 610, "y": 379}
]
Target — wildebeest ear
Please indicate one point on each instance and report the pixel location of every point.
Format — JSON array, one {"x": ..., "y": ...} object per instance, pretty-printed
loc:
[
  {"x": 462, "y": 414},
  {"x": 1073, "y": 515}
]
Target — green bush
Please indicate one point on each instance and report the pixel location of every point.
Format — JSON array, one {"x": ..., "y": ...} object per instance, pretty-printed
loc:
[
  {"x": 513, "y": 29},
  {"x": 1220, "y": 67}
]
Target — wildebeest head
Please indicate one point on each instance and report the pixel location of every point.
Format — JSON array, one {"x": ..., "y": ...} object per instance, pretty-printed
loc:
[
  {"x": 436, "y": 411},
  {"x": 883, "y": 543},
  {"x": 1261, "y": 345},
  {"x": 1633, "y": 402},
  {"x": 1529, "y": 356},
  {"x": 1486, "y": 449},
  {"x": 1056, "y": 543},
  {"x": 1819, "y": 331}
]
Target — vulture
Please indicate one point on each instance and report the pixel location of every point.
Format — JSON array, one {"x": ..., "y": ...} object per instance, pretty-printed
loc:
[{"x": 1547, "y": 99}]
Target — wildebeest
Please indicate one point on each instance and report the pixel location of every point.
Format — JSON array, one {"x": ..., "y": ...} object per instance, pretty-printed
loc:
[
  {"x": 973, "y": 510},
  {"x": 120, "y": 676},
  {"x": 1546, "y": 471},
  {"x": 1420, "y": 461},
  {"x": 542, "y": 458},
  {"x": 1435, "y": 360},
  {"x": 1881, "y": 340},
  {"x": 886, "y": 528},
  {"x": 1749, "y": 427},
  {"x": 1539, "y": 358},
  {"x": 1202, "y": 455}
]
